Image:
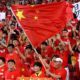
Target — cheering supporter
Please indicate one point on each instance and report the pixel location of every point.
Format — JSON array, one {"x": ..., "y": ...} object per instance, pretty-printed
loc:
[
  {"x": 46, "y": 51},
  {"x": 38, "y": 72},
  {"x": 28, "y": 59},
  {"x": 3, "y": 68},
  {"x": 59, "y": 72},
  {"x": 12, "y": 54},
  {"x": 12, "y": 73}
]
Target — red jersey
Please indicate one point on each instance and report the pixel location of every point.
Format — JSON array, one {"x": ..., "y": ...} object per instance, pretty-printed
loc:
[
  {"x": 40, "y": 74},
  {"x": 15, "y": 57},
  {"x": 62, "y": 72},
  {"x": 48, "y": 52},
  {"x": 64, "y": 56},
  {"x": 2, "y": 71},
  {"x": 3, "y": 52},
  {"x": 13, "y": 75}
]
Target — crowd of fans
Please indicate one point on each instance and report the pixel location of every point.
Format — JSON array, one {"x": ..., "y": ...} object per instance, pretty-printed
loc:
[{"x": 58, "y": 58}]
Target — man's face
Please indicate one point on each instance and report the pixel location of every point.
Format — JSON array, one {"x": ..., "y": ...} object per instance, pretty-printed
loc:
[
  {"x": 57, "y": 64},
  {"x": 27, "y": 50},
  {"x": 11, "y": 65},
  {"x": 61, "y": 47},
  {"x": 15, "y": 42},
  {"x": 43, "y": 46},
  {"x": 10, "y": 49},
  {"x": 1, "y": 62},
  {"x": 64, "y": 33},
  {"x": 36, "y": 68}
]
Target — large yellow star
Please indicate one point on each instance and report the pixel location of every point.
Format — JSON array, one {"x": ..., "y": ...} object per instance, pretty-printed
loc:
[
  {"x": 20, "y": 14},
  {"x": 22, "y": 78}
]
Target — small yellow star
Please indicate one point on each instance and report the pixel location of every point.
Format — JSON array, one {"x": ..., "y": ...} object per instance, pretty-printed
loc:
[
  {"x": 22, "y": 69},
  {"x": 20, "y": 14},
  {"x": 36, "y": 17},
  {"x": 12, "y": 76},
  {"x": 2, "y": 70},
  {"x": 22, "y": 78}
]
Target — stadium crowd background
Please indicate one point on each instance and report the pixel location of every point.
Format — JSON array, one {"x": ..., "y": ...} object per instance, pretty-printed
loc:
[{"x": 17, "y": 57}]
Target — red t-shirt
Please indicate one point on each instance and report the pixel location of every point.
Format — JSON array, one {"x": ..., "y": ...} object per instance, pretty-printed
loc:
[
  {"x": 62, "y": 72},
  {"x": 13, "y": 75},
  {"x": 2, "y": 71},
  {"x": 15, "y": 57},
  {"x": 3, "y": 52},
  {"x": 52, "y": 67},
  {"x": 64, "y": 56},
  {"x": 48, "y": 52},
  {"x": 41, "y": 74}
]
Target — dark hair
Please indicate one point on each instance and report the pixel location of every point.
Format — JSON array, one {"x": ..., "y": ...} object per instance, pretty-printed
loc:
[
  {"x": 28, "y": 47},
  {"x": 3, "y": 59},
  {"x": 13, "y": 36},
  {"x": 38, "y": 64},
  {"x": 12, "y": 24},
  {"x": 5, "y": 32},
  {"x": 65, "y": 30},
  {"x": 44, "y": 43},
  {"x": 3, "y": 20},
  {"x": 11, "y": 45},
  {"x": 74, "y": 15},
  {"x": 17, "y": 33},
  {"x": 57, "y": 56},
  {"x": 11, "y": 60}
]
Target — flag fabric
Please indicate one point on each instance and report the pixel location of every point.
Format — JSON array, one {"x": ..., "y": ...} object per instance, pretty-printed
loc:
[
  {"x": 41, "y": 22},
  {"x": 69, "y": 13}
]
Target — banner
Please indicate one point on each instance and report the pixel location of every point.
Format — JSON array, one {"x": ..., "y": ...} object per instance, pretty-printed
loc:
[
  {"x": 31, "y": 78},
  {"x": 76, "y": 10},
  {"x": 2, "y": 15}
]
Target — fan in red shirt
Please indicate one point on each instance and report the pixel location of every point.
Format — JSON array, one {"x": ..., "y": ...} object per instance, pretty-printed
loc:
[
  {"x": 46, "y": 51},
  {"x": 3, "y": 49},
  {"x": 38, "y": 72},
  {"x": 12, "y": 73},
  {"x": 2, "y": 68},
  {"x": 28, "y": 59},
  {"x": 59, "y": 71},
  {"x": 12, "y": 54}
]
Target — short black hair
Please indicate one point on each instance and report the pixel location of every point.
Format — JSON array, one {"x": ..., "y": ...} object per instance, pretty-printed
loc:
[
  {"x": 38, "y": 64},
  {"x": 29, "y": 47},
  {"x": 3, "y": 20},
  {"x": 11, "y": 45},
  {"x": 44, "y": 43},
  {"x": 5, "y": 32},
  {"x": 74, "y": 15},
  {"x": 12, "y": 24},
  {"x": 17, "y": 32},
  {"x": 13, "y": 36},
  {"x": 57, "y": 56},
  {"x": 65, "y": 30},
  {"x": 3, "y": 59},
  {"x": 11, "y": 60}
]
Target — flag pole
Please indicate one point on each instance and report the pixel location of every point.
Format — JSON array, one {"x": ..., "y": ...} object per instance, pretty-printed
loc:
[{"x": 29, "y": 40}]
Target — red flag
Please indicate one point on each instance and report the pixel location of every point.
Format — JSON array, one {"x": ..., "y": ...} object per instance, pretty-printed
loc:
[
  {"x": 69, "y": 12},
  {"x": 42, "y": 21}
]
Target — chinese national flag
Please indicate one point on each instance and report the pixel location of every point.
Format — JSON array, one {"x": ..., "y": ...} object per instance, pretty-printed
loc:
[{"x": 41, "y": 22}]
